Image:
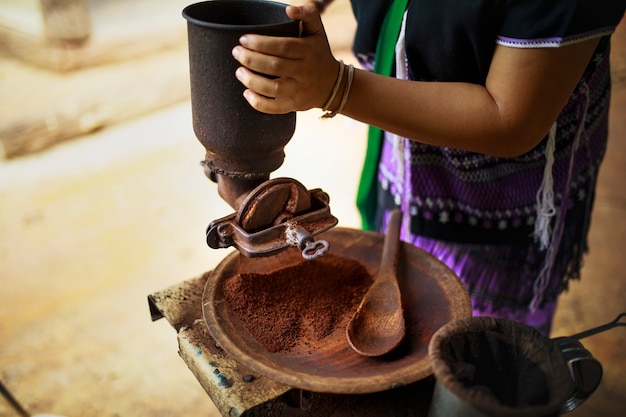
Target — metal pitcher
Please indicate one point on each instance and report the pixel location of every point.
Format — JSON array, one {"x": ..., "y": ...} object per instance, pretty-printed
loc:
[{"x": 488, "y": 367}]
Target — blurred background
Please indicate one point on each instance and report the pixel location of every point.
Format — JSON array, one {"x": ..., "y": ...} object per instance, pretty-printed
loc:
[{"x": 103, "y": 201}]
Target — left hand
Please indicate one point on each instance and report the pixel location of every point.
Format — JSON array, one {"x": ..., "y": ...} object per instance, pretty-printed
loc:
[{"x": 304, "y": 68}]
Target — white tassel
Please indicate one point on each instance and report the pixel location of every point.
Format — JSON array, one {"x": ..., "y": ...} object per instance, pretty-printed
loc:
[
  {"x": 402, "y": 74},
  {"x": 545, "y": 196},
  {"x": 546, "y": 209}
]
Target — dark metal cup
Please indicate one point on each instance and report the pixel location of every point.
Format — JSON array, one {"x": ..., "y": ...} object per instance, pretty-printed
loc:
[{"x": 240, "y": 141}]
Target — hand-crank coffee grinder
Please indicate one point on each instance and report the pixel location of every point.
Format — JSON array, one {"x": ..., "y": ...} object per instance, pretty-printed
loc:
[{"x": 243, "y": 146}]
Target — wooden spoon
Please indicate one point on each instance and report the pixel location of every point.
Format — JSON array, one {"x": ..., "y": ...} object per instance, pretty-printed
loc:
[{"x": 378, "y": 323}]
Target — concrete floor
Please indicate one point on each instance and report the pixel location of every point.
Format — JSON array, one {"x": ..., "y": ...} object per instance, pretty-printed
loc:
[{"x": 92, "y": 226}]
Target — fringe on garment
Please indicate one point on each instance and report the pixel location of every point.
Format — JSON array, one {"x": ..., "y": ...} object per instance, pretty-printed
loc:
[
  {"x": 501, "y": 278},
  {"x": 550, "y": 240}
]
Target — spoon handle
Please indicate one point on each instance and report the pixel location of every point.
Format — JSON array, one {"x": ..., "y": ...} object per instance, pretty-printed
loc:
[{"x": 389, "y": 259}]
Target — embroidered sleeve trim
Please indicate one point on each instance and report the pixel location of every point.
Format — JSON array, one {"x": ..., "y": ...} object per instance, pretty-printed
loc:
[{"x": 553, "y": 42}]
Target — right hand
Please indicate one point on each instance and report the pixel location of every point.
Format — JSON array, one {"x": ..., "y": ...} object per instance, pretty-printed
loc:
[{"x": 304, "y": 67}]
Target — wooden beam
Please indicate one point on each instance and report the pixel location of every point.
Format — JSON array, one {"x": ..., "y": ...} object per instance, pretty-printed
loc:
[{"x": 66, "y": 21}]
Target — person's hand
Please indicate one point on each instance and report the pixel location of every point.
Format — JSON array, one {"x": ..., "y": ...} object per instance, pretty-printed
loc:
[{"x": 302, "y": 70}]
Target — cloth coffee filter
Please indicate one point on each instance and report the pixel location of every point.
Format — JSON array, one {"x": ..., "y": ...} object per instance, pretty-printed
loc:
[{"x": 501, "y": 367}]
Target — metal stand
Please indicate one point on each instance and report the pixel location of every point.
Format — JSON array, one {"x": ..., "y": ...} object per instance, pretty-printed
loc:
[{"x": 237, "y": 391}]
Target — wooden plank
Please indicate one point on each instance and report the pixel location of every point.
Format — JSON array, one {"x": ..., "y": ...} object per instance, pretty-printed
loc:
[
  {"x": 46, "y": 108},
  {"x": 66, "y": 20},
  {"x": 101, "y": 33},
  {"x": 129, "y": 65}
]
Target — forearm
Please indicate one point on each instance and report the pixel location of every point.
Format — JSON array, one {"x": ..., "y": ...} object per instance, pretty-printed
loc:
[
  {"x": 523, "y": 95},
  {"x": 456, "y": 115}
]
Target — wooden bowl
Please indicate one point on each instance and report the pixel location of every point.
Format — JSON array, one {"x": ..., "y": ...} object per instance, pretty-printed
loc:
[{"x": 432, "y": 296}]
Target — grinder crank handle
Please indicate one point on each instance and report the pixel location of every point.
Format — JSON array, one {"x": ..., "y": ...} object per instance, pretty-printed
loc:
[{"x": 299, "y": 236}]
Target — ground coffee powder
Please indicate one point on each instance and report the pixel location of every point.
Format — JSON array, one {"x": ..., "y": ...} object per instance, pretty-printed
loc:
[{"x": 293, "y": 309}]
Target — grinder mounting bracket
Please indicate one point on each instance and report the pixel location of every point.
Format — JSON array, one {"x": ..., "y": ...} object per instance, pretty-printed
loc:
[{"x": 279, "y": 213}]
